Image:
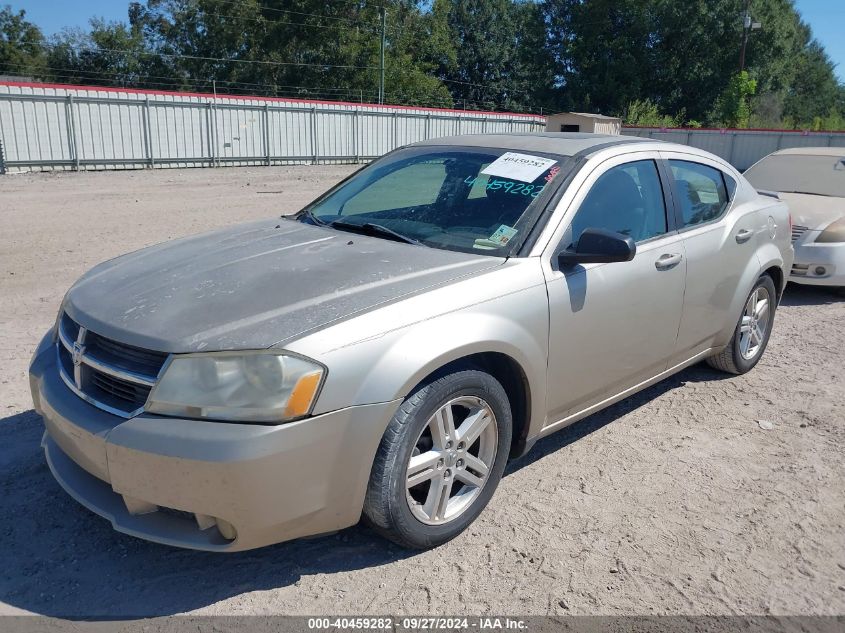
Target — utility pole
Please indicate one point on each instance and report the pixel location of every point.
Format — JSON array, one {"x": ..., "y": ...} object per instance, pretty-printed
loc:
[
  {"x": 747, "y": 27},
  {"x": 383, "y": 12}
]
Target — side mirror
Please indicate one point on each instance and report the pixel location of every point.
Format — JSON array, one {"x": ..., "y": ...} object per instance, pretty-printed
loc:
[{"x": 599, "y": 246}]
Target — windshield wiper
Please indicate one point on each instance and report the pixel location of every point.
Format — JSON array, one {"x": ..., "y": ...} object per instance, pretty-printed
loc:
[
  {"x": 377, "y": 230},
  {"x": 307, "y": 213}
]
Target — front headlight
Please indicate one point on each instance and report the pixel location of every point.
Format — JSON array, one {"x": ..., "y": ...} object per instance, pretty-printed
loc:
[
  {"x": 237, "y": 386},
  {"x": 835, "y": 232}
]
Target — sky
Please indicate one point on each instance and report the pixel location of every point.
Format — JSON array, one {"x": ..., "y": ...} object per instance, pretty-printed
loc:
[{"x": 826, "y": 17}]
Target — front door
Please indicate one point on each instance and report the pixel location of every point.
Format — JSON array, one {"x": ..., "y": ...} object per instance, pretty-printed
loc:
[{"x": 613, "y": 326}]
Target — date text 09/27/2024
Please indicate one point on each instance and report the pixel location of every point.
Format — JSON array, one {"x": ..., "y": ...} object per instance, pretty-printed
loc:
[{"x": 417, "y": 623}]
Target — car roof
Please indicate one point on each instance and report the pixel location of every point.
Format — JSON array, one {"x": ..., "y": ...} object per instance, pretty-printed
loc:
[
  {"x": 562, "y": 143},
  {"x": 812, "y": 151}
]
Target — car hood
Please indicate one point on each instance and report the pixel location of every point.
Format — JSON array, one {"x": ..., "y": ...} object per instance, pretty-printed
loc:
[
  {"x": 254, "y": 285},
  {"x": 814, "y": 212}
]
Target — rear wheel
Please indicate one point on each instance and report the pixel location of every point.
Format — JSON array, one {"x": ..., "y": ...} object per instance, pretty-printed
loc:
[
  {"x": 752, "y": 332},
  {"x": 440, "y": 460}
]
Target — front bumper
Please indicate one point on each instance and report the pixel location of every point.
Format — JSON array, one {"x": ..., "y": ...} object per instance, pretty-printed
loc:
[
  {"x": 810, "y": 256},
  {"x": 170, "y": 480}
]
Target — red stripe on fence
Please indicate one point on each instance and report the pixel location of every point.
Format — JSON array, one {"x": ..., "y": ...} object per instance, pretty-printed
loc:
[
  {"x": 729, "y": 129},
  {"x": 205, "y": 95}
]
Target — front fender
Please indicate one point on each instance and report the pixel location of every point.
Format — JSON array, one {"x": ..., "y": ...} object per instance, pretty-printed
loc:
[
  {"x": 387, "y": 366},
  {"x": 427, "y": 347}
]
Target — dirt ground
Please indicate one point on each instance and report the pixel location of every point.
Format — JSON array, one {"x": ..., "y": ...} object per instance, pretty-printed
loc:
[{"x": 675, "y": 501}]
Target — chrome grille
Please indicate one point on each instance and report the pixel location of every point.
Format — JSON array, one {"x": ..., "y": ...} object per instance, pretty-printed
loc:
[
  {"x": 113, "y": 376},
  {"x": 798, "y": 231}
]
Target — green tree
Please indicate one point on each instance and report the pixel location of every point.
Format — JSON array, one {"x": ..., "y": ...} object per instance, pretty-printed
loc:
[
  {"x": 656, "y": 61},
  {"x": 418, "y": 47},
  {"x": 645, "y": 113},
  {"x": 22, "y": 45},
  {"x": 299, "y": 48},
  {"x": 695, "y": 52},
  {"x": 602, "y": 52},
  {"x": 485, "y": 36},
  {"x": 771, "y": 49},
  {"x": 110, "y": 54},
  {"x": 733, "y": 109},
  {"x": 533, "y": 72},
  {"x": 813, "y": 92}
]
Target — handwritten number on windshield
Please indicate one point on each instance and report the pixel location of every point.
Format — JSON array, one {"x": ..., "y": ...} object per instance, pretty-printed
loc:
[{"x": 520, "y": 188}]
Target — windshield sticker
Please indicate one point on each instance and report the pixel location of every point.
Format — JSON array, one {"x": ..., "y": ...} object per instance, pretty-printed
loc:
[
  {"x": 552, "y": 173},
  {"x": 503, "y": 235},
  {"x": 517, "y": 166}
]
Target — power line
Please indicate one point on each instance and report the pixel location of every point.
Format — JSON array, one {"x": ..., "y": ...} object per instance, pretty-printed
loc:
[
  {"x": 186, "y": 83},
  {"x": 414, "y": 99},
  {"x": 266, "y": 62},
  {"x": 205, "y": 86},
  {"x": 274, "y": 10},
  {"x": 266, "y": 21},
  {"x": 208, "y": 59},
  {"x": 396, "y": 98},
  {"x": 139, "y": 78},
  {"x": 485, "y": 88}
]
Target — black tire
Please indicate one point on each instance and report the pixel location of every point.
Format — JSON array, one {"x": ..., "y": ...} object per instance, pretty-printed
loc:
[
  {"x": 386, "y": 507},
  {"x": 730, "y": 359}
]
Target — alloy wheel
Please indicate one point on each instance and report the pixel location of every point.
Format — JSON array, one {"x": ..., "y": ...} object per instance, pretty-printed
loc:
[
  {"x": 755, "y": 323},
  {"x": 451, "y": 460}
]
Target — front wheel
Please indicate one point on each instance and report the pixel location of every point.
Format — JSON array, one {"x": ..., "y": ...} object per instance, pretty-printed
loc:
[
  {"x": 440, "y": 460},
  {"x": 752, "y": 332}
]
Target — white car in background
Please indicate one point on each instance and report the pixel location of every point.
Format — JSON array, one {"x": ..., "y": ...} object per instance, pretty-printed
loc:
[{"x": 811, "y": 180}]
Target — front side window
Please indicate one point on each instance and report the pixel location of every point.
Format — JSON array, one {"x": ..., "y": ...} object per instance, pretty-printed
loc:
[
  {"x": 627, "y": 199},
  {"x": 701, "y": 191},
  {"x": 467, "y": 199}
]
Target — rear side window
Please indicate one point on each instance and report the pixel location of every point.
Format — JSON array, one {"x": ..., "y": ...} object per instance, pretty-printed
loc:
[{"x": 701, "y": 190}]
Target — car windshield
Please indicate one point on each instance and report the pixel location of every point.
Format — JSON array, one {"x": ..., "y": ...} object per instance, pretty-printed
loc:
[
  {"x": 819, "y": 175},
  {"x": 466, "y": 199}
]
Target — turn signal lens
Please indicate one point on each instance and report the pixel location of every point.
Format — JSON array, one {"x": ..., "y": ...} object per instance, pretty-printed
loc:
[{"x": 303, "y": 394}]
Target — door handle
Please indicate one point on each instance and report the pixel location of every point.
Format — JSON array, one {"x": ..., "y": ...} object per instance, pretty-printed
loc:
[
  {"x": 743, "y": 236},
  {"x": 668, "y": 260}
]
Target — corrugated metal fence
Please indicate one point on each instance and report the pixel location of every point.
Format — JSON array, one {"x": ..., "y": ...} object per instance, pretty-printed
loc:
[
  {"x": 59, "y": 127},
  {"x": 741, "y": 148},
  {"x": 46, "y": 126}
]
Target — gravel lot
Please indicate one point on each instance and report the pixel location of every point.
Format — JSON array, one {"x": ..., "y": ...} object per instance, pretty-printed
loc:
[{"x": 674, "y": 501}]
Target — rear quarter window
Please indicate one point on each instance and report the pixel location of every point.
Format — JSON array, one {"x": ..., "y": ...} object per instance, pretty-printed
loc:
[{"x": 731, "y": 185}]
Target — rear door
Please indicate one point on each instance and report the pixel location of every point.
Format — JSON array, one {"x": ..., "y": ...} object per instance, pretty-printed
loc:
[
  {"x": 718, "y": 242},
  {"x": 614, "y": 325}
]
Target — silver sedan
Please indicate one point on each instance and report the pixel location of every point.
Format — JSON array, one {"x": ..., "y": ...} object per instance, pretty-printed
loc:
[
  {"x": 386, "y": 350},
  {"x": 811, "y": 180}
]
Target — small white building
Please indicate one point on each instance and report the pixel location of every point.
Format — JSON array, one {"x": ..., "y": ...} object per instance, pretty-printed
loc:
[{"x": 583, "y": 122}]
